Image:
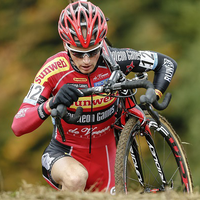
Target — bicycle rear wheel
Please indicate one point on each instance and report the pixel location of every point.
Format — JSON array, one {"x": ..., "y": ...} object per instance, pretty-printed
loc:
[{"x": 136, "y": 167}]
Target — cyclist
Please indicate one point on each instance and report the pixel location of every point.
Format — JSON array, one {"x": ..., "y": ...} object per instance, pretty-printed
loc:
[{"x": 86, "y": 158}]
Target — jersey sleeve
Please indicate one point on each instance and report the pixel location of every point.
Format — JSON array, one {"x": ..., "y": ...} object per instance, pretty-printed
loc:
[
  {"x": 143, "y": 61},
  {"x": 32, "y": 111}
]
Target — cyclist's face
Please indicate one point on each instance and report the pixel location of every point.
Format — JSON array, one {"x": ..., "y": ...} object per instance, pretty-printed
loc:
[{"x": 86, "y": 61}]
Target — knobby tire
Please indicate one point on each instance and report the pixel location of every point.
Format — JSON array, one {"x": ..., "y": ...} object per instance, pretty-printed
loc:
[{"x": 123, "y": 159}]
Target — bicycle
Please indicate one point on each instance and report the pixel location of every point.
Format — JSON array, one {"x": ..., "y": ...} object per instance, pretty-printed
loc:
[{"x": 150, "y": 156}]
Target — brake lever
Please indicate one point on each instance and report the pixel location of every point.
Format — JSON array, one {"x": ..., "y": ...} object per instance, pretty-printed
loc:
[
  {"x": 60, "y": 128},
  {"x": 57, "y": 114},
  {"x": 61, "y": 113},
  {"x": 153, "y": 113}
]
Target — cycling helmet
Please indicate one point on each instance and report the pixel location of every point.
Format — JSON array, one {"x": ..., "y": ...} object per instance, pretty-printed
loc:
[{"x": 82, "y": 24}]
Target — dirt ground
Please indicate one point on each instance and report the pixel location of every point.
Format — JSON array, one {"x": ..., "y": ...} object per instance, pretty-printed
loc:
[{"x": 32, "y": 192}]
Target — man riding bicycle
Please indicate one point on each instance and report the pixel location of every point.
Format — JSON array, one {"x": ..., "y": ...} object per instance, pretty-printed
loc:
[{"x": 86, "y": 159}]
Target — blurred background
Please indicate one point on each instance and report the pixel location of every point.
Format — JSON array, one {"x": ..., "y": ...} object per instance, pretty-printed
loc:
[{"x": 28, "y": 36}]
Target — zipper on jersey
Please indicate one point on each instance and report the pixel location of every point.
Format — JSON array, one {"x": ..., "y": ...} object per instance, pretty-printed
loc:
[{"x": 90, "y": 144}]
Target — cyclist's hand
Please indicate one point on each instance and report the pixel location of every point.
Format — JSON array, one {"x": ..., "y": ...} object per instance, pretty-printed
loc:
[{"x": 66, "y": 95}]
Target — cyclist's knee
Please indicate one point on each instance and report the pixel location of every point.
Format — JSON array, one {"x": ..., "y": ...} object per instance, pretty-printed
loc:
[{"x": 75, "y": 182}]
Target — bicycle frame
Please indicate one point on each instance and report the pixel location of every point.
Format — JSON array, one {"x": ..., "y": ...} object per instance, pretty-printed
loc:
[{"x": 130, "y": 108}]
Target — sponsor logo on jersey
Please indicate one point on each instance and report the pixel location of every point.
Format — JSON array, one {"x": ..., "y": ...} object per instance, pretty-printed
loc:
[
  {"x": 79, "y": 85},
  {"x": 119, "y": 55},
  {"x": 21, "y": 113},
  {"x": 85, "y": 132},
  {"x": 95, "y": 117},
  {"x": 80, "y": 79},
  {"x": 169, "y": 66},
  {"x": 53, "y": 67},
  {"x": 100, "y": 76},
  {"x": 98, "y": 101},
  {"x": 132, "y": 55},
  {"x": 100, "y": 83},
  {"x": 130, "y": 67}
]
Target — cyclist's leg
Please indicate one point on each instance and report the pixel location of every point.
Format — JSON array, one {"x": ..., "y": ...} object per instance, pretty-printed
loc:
[
  {"x": 60, "y": 170},
  {"x": 69, "y": 173}
]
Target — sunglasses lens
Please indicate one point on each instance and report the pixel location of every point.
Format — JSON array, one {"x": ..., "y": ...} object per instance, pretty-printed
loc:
[
  {"x": 94, "y": 52},
  {"x": 77, "y": 54},
  {"x": 82, "y": 54}
]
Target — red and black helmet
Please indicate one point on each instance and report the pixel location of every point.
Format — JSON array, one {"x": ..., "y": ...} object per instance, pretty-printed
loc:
[{"x": 82, "y": 24}]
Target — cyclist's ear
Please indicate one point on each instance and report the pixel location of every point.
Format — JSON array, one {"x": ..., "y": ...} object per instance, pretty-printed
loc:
[{"x": 64, "y": 44}]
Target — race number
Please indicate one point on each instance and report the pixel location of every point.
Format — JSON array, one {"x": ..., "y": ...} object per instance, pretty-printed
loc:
[
  {"x": 33, "y": 94},
  {"x": 148, "y": 59}
]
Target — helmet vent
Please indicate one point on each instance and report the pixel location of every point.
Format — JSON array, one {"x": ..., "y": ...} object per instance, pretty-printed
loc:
[
  {"x": 83, "y": 24},
  {"x": 62, "y": 19}
]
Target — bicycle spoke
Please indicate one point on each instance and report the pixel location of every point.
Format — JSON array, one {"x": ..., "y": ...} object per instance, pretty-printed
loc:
[{"x": 156, "y": 162}]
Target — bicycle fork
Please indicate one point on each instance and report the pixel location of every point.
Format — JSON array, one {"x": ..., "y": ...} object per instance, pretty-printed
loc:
[
  {"x": 156, "y": 161},
  {"x": 144, "y": 130}
]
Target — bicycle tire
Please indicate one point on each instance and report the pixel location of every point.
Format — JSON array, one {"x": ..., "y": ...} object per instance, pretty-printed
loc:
[{"x": 169, "y": 161}]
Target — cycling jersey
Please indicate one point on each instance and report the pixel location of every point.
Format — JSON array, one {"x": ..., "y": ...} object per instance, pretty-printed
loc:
[{"x": 93, "y": 129}]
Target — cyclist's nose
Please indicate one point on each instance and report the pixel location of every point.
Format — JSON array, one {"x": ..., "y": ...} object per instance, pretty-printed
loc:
[{"x": 86, "y": 58}]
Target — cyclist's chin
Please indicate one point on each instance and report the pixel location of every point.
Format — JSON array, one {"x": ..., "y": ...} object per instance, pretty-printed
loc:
[{"x": 86, "y": 69}]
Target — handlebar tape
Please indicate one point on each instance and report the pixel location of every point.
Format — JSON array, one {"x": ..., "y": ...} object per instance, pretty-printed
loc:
[
  {"x": 147, "y": 97},
  {"x": 75, "y": 118},
  {"x": 61, "y": 112},
  {"x": 164, "y": 104},
  {"x": 87, "y": 91},
  {"x": 137, "y": 84}
]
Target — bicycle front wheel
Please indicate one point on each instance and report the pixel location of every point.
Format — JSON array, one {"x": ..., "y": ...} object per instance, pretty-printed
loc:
[{"x": 137, "y": 166}]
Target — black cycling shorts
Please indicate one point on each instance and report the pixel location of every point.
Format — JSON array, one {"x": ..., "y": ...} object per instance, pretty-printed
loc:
[{"x": 52, "y": 153}]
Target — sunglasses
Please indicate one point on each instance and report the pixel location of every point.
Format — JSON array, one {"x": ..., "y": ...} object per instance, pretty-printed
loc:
[{"x": 81, "y": 54}]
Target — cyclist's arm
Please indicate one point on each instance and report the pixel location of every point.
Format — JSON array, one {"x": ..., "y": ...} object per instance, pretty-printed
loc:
[
  {"x": 164, "y": 71},
  {"x": 29, "y": 118},
  {"x": 33, "y": 110},
  {"x": 141, "y": 61}
]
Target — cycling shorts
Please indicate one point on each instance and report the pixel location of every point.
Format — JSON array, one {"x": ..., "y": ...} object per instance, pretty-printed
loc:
[{"x": 99, "y": 164}]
